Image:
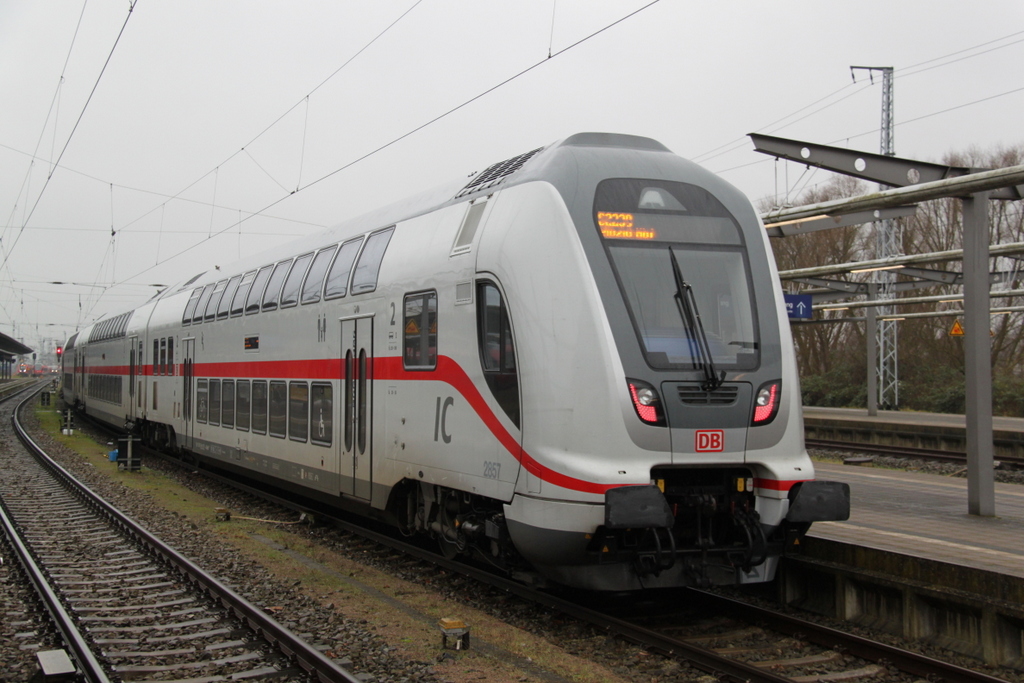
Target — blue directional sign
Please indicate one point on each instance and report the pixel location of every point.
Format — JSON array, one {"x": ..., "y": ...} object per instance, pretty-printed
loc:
[{"x": 798, "y": 306}]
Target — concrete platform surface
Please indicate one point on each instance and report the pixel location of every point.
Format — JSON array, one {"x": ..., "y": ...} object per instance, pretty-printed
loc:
[
  {"x": 925, "y": 515},
  {"x": 899, "y": 417}
]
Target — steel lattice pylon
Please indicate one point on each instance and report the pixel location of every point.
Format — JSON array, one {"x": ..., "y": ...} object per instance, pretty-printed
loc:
[{"x": 888, "y": 242}]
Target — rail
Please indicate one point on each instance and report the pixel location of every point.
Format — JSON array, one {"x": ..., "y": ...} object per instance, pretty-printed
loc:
[{"x": 305, "y": 655}]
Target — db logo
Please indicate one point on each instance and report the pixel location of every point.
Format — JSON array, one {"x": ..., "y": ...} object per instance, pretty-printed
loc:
[{"x": 710, "y": 440}]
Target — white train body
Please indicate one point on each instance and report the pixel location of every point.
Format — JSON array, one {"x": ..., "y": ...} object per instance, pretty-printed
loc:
[{"x": 486, "y": 373}]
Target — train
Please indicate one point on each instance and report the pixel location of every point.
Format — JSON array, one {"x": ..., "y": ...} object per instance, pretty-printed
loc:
[
  {"x": 36, "y": 370},
  {"x": 574, "y": 366}
]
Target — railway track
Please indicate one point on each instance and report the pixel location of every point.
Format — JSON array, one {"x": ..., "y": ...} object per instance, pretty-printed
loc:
[
  {"x": 741, "y": 643},
  {"x": 128, "y": 606},
  {"x": 903, "y": 451}
]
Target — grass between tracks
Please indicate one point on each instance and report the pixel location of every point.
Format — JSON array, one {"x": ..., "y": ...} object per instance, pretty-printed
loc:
[{"x": 340, "y": 588}]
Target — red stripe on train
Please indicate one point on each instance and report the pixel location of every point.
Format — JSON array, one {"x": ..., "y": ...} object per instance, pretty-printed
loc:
[{"x": 388, "y": 368}]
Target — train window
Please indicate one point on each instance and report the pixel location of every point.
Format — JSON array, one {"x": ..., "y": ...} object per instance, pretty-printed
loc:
[
  {"x": 497, "y": 350},
  {"x": 252, "y": 302},
  {"x": 259, "y": 406},
  {"x": 337, "y": 279},
  {"x": 202, "y": 400},
  {"x": 420, "y": 331},
  {"x": 227, "y": 403},
  {"x": 290, "y": 292},
  {"x": 238, "y": 300},
  {"x": 214, "y": 401},
  {"x": 364, "y": 279},
  {"x": 298, "y": 411},
  {"x": 163, "y": 356},
  {"x": 278, "y": 409},
  {"x": 204, "y": 299},
  {"x": 229, "y": 295},
  {"x": 321, "y": 414},
  {"x": 273, "y": 294},
  {"x": 122, "y": 322},
  {"x": 315, "y": 277},
  {"x": 242, "y": 405},
  {"x": 662, "y": 235},
  {"x": 170, "y": 355},
  {"x": 211, "y": 307},
  {"x": 156, "y": 357}
]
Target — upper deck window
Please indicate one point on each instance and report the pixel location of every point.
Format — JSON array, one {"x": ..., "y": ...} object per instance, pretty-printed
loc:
[
  {"x": 654, "y": 230},
  {"x": 364, "y": 279},
  {"x": 204, "y": 299},
  {"x": 228, "y": 296},
  {"x": 271, "y": 298},
  {"x": 337, "y": 279},
  {"x": 290, "y": 293},
  {"x": 252, "y": 301},
  {"x": 314, "y": 283},
  {"x": 211, "y": 308},
  {"x": 238, "y": 300}
]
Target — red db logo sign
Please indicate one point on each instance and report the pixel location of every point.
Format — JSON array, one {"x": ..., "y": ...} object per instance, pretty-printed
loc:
[{"x": 710, "y": 441}]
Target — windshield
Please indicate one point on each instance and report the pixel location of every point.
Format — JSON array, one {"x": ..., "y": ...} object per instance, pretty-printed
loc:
[{"x": 644, "y": 225}]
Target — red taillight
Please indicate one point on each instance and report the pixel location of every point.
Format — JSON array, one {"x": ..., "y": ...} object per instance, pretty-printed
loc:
[
  {"x": 766, "y": 403},
  {"x": 646, "y": 402}
]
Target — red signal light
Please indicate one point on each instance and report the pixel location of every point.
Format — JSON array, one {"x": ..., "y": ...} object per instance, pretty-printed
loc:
[{"x": 60, "y": 351}]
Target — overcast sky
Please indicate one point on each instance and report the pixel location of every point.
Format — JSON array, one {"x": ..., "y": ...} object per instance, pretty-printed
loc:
[{"x": 208, "y": 116}]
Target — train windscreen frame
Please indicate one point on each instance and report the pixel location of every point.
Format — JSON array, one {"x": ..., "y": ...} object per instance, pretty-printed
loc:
[{"x": 645, "y": 225}]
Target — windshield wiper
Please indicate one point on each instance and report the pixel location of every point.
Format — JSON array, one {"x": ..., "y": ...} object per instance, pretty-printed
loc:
[{"x": 696, "y": 337}]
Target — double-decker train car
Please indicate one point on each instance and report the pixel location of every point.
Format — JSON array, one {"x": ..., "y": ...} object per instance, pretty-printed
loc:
[{"x": 576, "y": 364}]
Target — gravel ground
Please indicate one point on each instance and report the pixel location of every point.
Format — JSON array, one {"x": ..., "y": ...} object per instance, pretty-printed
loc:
[
  {"x": 358, "y": 642},
  {"x": 354, "y": 645}
]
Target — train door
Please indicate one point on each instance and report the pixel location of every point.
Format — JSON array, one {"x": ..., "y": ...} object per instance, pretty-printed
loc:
[
  {"x": 187, "y": 377},
  {"x": 356, "y": 442},
  {"x": 133, "y": 373}
]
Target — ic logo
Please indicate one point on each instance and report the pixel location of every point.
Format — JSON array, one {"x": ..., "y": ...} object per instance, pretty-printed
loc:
[{"x": 709, "y": 440}]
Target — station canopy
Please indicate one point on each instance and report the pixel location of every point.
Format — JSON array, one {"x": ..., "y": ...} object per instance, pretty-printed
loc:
[{"x": 12, "y": 347}]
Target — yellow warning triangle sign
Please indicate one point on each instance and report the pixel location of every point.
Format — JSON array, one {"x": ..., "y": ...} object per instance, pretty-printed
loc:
[{"x": 957, "y": 330}]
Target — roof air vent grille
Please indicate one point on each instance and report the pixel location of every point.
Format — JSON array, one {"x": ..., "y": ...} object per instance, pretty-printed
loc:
[{"x": 492, "y": 175}]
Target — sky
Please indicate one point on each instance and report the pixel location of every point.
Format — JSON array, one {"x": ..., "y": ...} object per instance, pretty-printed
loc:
[{"x": 142, "y": 143}]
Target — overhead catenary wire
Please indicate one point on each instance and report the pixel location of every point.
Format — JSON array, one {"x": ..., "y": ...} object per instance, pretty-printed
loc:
[
  {"x": 53, "y": 103},
  {"x": 162, "y": 195},
  {"x": 415, "y": 130},
  {"x": 296, "y": 185},
  {"x": 71, "y": 135},
  {"x": 244, "y": 148},
  {"x": 901, "y": 72}
]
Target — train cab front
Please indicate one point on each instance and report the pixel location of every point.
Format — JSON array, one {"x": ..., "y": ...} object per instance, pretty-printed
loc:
[{"x": 710, "y": 389}]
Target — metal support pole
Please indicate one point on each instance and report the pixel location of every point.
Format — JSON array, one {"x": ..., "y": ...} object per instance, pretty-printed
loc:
[
  {"x": 978, "y": 357},
  {"x": 871, "y": 342}
]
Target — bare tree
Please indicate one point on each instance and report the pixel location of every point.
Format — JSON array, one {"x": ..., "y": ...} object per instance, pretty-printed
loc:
[{"x": 832, "y": 357}]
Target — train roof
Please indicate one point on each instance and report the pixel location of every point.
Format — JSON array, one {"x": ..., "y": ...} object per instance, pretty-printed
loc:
[
  {"x": 565, "y": 164},
  {"x": 530, "y": 166}
]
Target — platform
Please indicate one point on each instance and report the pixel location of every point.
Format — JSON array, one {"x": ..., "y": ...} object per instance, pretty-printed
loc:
[
  {"x": 910, "y": 429},
  {"x": 925, "y": 516},
  {"x": 908, "y": 418}
]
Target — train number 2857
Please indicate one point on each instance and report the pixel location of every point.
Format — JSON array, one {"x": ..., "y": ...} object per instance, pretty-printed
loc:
[{"x": 492, "y": 469}]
